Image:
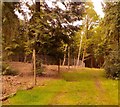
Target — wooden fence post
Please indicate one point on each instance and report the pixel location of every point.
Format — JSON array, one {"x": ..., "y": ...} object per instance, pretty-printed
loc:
[{"x": 34, "y": 66}]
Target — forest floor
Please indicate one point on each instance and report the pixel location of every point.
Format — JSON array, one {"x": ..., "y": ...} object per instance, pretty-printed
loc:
[
  {"x": 24, "y": 79},
  {"x": 77, "y": 86}
]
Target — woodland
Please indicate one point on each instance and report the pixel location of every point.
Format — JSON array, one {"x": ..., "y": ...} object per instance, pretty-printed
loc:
[{"x": 74, "y": 41}]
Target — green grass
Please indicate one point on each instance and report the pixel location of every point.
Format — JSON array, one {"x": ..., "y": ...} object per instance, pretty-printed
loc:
[
  {"x": 78, "y": 87},
  {"x": 39, "y": 95}
]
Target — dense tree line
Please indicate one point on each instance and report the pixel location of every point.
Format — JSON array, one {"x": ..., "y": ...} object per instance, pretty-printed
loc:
[
  {"x": 51, "y": 31},
  {"x": 111, "y": 25}
]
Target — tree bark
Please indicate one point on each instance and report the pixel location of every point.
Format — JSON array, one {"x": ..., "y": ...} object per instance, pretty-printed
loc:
[
  {"x": 37, "y": 7},
  {"x": 77, "y": 64},
  {"x": 83, "y": 58},
  {"x": 64, "y": 56},
  {"x": 68, "y": 57},
  {"x": 86, "y": 36}
]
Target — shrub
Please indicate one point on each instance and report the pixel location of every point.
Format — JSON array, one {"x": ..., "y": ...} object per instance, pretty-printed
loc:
[
  {"x": 112, "y": 65},
  {"x": 40, "y": 71},
  {"x": 7, "y": 70},
  {"x": 39, "y": 68}
]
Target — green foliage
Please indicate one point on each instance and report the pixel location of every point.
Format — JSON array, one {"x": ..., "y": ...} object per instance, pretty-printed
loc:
[
  {"x": 112, "y": 65},
  {"x": 88, "y": 37},
  {"x": 50, "y": 32},
  {"x": 39, "y": 67},
  {"x": 10, "y": 21},
  {"x": 7, "y": 70},
  {"x": 10, "y": 24},
  {"x": 14, "y": 48},
  {"x": 112, "y": 26}
]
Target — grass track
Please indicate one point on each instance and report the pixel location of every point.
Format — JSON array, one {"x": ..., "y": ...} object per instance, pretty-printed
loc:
[{"x": 77, "y": 87}]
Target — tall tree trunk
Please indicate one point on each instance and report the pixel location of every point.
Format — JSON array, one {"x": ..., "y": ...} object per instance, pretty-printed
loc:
[
  {"x": 59, "y": 64},
  {"x": 34, "y": 65},
  {"x": 37, "y": 7},
  {"x": 68, "y": 57},
  {"x": 26, "y": 34},
  {"x": 74, "y": 62},
  {"x": 25, "y": 58},
  {"x": 64, "y": 56},
  {"x": 77, "y": 64},
  {"x": 83, "y": 58},
  {"x": 86, "y": 36}
]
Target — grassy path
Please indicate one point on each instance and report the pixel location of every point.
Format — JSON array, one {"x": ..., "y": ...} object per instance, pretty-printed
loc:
[{"x": 77, "y": 87}]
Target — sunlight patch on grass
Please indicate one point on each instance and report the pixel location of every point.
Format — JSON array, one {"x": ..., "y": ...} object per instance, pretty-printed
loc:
[
  {"x": 111, "y": 87},
  {"x": 39, "y": 95},
  {"x": 82, "y": 74}
]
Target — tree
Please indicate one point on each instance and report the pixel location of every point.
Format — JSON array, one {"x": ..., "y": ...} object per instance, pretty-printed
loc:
[
  {"x": 89, "y": 22},
  {"x": 98, "y": 44},
  {"x": 52, "y": 31},
  {"x": 79, "y": 51},
  {"x": 10, "y": 25},
  {"x": 64, "y": 59},
  {"x": 112, "y": 34},
  {"x": 34, "y": 50}
]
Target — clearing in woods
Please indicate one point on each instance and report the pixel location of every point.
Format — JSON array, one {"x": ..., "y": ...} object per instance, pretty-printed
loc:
[{"x": 81, "y": 86}]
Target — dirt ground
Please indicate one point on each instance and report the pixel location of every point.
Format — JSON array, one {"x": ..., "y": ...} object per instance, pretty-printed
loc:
[{"x": 24, "y": 80}]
